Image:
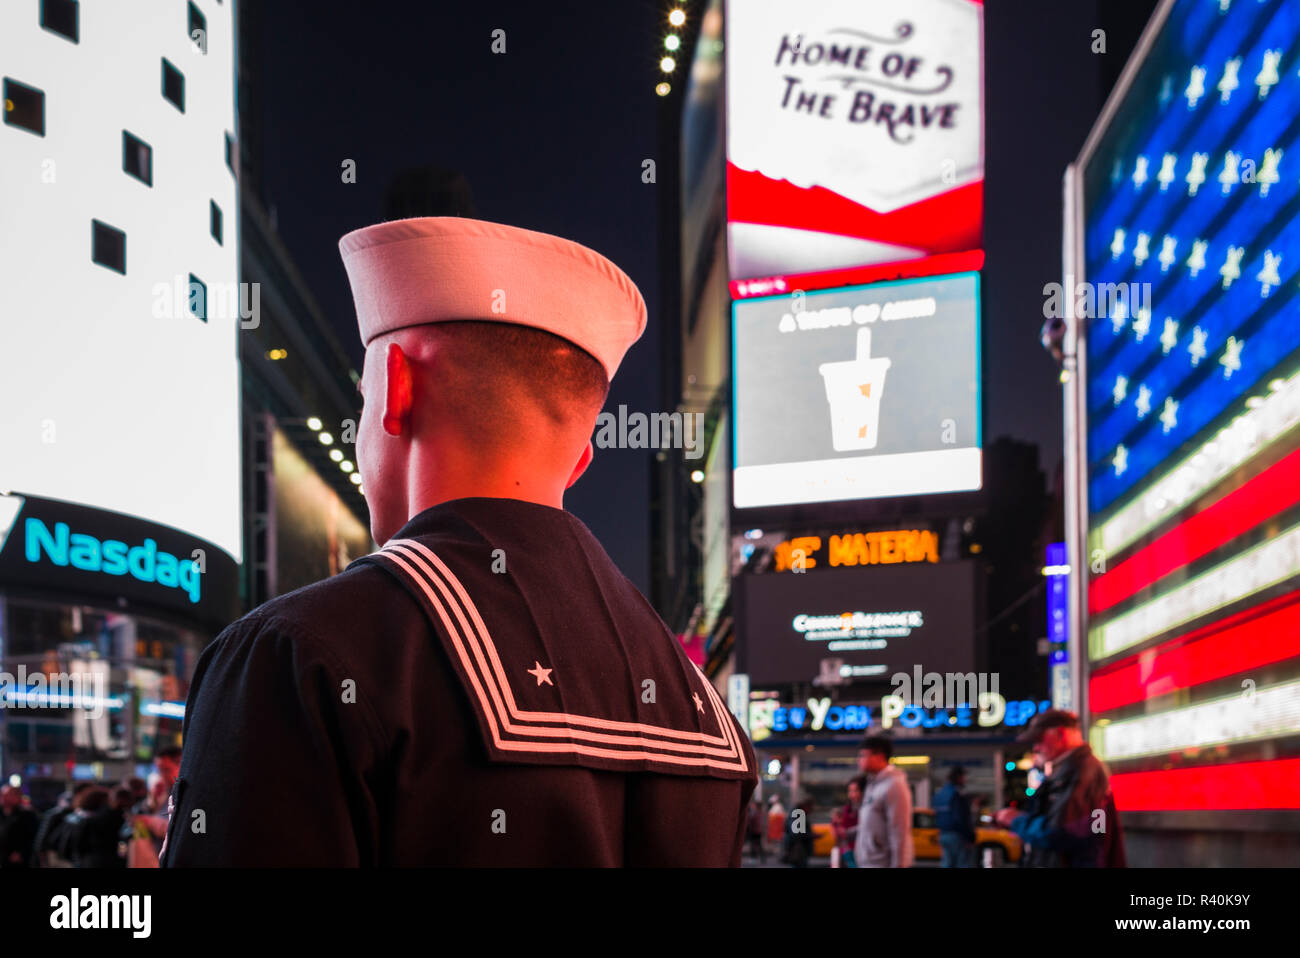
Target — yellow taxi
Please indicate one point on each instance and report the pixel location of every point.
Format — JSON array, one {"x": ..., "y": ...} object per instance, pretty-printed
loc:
[{"x": 994, "y": 846}]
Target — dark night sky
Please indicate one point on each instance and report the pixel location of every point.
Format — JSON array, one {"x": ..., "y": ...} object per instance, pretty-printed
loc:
[{"x": 552, "y": 136}]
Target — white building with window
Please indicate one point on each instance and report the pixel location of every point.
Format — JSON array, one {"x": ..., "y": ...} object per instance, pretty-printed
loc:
[{"x": 119, "y": 260}]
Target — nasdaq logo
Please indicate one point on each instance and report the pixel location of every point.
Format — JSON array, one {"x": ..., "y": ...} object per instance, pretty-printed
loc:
[{"x": 143, "y": 562}]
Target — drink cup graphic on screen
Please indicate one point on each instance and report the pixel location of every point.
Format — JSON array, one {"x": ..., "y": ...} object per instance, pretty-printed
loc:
[{"x": 853, "y": 389}]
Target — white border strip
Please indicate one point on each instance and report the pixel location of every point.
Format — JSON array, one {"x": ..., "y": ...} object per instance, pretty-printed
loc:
[
  {"x": 1254, "y": 570},
  {"x": 497, "y": 700},
  {"x": 861, "y": 477},
  {"x": 1232, "y": 447},
  {"x": 1240, "y": 717}
]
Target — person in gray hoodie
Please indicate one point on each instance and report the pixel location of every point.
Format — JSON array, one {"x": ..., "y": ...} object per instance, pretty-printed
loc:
[{"x": 885, "y": 818}]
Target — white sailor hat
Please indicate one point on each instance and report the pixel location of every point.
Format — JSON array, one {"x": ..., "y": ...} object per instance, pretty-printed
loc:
[{"x": 441, "y": 268}]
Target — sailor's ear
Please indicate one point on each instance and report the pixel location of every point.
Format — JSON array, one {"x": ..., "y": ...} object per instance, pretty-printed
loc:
[
  {"x": 398, "y": 392},
  {"x": 583, "y": 462}
]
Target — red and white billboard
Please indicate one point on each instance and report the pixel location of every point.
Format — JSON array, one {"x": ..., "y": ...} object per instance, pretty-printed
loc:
[{"x": 855, "y": 141}]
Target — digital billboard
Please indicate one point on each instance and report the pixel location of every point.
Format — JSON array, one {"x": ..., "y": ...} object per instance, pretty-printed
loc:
[
  {"x": 61, "y": 548},
  {"x": 316, "y": 535},
  {"x": 857, "y": 393},
  {"x": 702, "y": 149},
  {"x": 872, "y": 623},
  {"x": 820, "y": 717},
  {"x": 118, "y": 279},
  {"x": 1186, "y": 259},
  {"x": 855, "y": 147}
]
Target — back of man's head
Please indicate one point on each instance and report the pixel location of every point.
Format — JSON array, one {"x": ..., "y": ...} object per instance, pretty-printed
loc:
[
  {"x": 501, "y": 382},
  {"x": 878, "y": 745},
  {"x": 473, "y": 408}
]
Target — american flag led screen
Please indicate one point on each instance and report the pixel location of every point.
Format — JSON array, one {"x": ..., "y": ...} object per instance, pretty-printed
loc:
[{"x": 1191, "y": 249}]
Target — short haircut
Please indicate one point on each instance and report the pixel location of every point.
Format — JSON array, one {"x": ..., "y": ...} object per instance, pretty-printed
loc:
[
  {"x": 956, "y": 774},
  {"x": 878, "y": 744},
  {"x": 172, "y": 752},
  {"x": 503, "y": 369}
]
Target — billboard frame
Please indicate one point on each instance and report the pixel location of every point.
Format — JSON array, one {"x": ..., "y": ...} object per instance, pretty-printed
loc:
[
  {"x": 878, "y": 509},
  {"x": 1268, "y": 822},
  {"x": 941, "y": 263},
  {"x": 1075, "y": 365}
]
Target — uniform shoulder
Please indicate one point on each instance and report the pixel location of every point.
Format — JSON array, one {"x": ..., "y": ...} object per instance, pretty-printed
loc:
[
  {"x": 299, "y": 647},
  {"x": 329, "y": 605},
  {"x": 327, "y": 620}
]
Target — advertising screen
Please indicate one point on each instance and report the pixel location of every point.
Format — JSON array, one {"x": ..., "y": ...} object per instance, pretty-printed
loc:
[
  {"x": 702, "y": 148},
  {"x": 854, "y": 141},
  {"x": 857, "y": 393},
  {"x": 870, "y": 623},
  {"x": 119, "y": 304},
  {"x": 316, "y": 535},
  {"x": 62, "y": 548},
  {"x": 1189, "y": 259}
]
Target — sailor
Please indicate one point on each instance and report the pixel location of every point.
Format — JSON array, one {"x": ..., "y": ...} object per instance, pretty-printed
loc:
[{"x": 487, "y": 688}]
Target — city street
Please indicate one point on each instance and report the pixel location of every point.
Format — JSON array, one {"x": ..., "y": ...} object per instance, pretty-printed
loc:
[{"x": 578, "y": 435}]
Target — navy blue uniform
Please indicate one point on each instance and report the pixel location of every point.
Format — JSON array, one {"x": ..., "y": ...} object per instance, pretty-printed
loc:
[{"x": 488, "y": 689}]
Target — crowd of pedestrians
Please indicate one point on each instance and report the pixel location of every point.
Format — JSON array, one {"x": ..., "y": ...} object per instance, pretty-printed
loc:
[
  {"x": 1068, "y": 820},
  {"x": 91, "y": 825}
]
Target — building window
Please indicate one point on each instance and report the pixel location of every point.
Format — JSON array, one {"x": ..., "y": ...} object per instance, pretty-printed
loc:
[
  {"x": 230, "y": 154},
  {"x": 61, "y": 17},
  {"x": 137, "y": 158},
  {"x": 216, "y": 223},
  {"x": 173, "y": 85},
  {"x": 24, "y": 107},
  {"x": 198, "y": 29},
  {"x": 198, "y": 298},
  {"x": 108, "y": 246}
]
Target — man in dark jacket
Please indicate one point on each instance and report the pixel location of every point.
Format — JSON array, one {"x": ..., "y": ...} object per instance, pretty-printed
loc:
[
  {"x": 49, "y": 836},
  {"x": 488, "y": 688},
  {"x": 1071, "y": 821},
  {"x": 18, "y": 828},
  {"x": 797, "y": 844},
  {"x": 953, "y": 818},
  {"x": 99, "y": 839}
]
